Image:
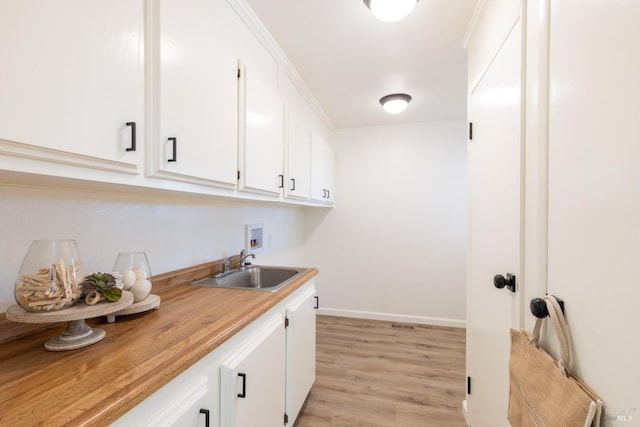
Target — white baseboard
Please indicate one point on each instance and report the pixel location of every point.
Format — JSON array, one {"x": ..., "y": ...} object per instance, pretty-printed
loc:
[{"x": 435, "y": 321}]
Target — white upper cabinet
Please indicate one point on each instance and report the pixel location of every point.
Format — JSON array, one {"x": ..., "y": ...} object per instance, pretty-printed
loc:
[
  {"x": 185, "y": 95},
  {"x": 297, "y": 154},
  {"x": 322, "y": 164},
  {"x": 261, "y": 130},
  {"x": 329, "y": 173},
  {"x": 71, "y": 79},
  {"x": 194, "y": 87}
]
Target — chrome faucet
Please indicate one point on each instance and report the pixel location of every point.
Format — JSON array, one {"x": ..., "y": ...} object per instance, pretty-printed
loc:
[{"x": 226, "y": 263}]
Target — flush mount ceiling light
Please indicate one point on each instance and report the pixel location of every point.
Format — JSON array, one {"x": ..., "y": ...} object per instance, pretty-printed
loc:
[
  {"x": 395, "y": 103},
  {"x": 390, "y": 10}
]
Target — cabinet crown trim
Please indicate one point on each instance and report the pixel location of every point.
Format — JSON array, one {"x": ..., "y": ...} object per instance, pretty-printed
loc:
[{"x": 33, "y": 152}]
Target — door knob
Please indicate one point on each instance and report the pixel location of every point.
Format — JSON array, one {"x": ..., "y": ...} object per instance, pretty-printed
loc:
[{"x": 499, "y": 281}]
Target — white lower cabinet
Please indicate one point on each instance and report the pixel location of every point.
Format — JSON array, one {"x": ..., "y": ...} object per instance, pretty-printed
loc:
[
  {"x": 252, "y": 381},
  {"x": 259, "y": 377},
  {"x": 191, "y": 399},
  {"x": 301, "y": 351}
]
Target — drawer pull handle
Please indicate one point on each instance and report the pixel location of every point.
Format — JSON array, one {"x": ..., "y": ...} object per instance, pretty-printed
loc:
[
  {"x": 133, "y": 136},
  {"x": 206, "y": 416},
  {"x": 174, "y": 141},
  {"x": 244, "y": 385}
]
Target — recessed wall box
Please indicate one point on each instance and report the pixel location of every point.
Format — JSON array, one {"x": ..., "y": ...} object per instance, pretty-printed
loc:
[{"x": 254, "y": 238}]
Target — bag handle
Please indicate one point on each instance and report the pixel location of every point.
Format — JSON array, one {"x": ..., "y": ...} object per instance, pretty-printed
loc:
[{"x": 562, "y": 332}]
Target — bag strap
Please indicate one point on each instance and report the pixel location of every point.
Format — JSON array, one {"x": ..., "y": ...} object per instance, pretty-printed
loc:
[{"x": 562, "y": 332}]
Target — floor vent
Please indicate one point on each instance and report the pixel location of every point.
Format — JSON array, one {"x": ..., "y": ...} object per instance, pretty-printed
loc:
[{"x": 401, "y": 326}]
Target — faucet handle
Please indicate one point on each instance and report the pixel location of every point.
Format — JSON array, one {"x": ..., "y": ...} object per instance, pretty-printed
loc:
[{"x": 246, "y": 261}]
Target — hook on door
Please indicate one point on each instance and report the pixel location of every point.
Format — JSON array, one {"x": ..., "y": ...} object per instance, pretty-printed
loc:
[
  {"x": 499, "y": 281},
  {"x": 539, "y": 309}
]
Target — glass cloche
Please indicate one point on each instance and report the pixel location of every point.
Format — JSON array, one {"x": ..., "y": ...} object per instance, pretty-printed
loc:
[
  {"x": 136, "y": 273},
  {"x": 50, "y": 277}
]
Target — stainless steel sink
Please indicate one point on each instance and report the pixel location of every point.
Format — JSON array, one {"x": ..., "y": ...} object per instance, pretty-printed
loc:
[{"x": 263, "y": 278}]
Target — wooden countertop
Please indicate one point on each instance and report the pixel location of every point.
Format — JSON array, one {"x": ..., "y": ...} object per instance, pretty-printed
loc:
[{"x": 142, "y": 352}]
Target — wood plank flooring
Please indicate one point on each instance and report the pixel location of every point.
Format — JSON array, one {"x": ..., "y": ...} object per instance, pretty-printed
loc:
[{"x": 379, "y": 374}]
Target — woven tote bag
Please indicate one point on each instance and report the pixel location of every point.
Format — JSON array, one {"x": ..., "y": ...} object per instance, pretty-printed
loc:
[{"x": 542, "y": 391}]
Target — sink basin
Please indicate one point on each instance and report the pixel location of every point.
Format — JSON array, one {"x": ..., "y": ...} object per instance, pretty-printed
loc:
[{"x": 261, "y": 278}]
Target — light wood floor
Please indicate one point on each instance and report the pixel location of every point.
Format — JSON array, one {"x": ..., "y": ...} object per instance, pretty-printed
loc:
[{"x": 379, "y": 374}]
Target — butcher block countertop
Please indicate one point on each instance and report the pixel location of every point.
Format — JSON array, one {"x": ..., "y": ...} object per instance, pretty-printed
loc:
[{"x": 96, "y": 385}]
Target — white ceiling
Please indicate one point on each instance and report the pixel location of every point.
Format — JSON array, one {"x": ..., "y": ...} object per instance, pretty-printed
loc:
[{"x": 349, "y": 59}]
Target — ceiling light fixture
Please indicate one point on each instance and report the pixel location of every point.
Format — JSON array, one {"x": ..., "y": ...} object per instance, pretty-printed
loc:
[
  {"x": 395, "y": 103},
  {"x": 390, "y": 10}
]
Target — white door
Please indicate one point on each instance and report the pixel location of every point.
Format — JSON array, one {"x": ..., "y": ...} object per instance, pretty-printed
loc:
[
  {"x": 594, "y": 194},
  {"x": 494, "y": 156}
]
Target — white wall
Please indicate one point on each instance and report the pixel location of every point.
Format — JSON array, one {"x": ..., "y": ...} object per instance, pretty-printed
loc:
[
  {"x": 394, "y": 245},
  {"x": 174, "y": 231}
]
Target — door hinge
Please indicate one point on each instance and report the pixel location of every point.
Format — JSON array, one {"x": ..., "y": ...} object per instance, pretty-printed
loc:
[
  {"x": 468, "y": 385},
  {"x": 286, "y": 418},
  {"x": 286, "y": 322},
  {"x": 470, "y": 131}
]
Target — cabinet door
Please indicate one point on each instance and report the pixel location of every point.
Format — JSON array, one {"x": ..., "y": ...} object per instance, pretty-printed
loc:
[
  {"x": 297, "y": 172},
  {"x": 261, "y": 131},
  {"x": 329, "y": 182},
  {"x": 301, "y": 352},
  {"x": 181, "y": 402},
  {"x": 195, "y": 133},
  {"x": 318, "y": 190},
  {"x": 187, "y": 407},
  {"x": 252, "y": 380},
  {"x": 72, "y": 77},
  {"x": 322, "y": 163}
]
